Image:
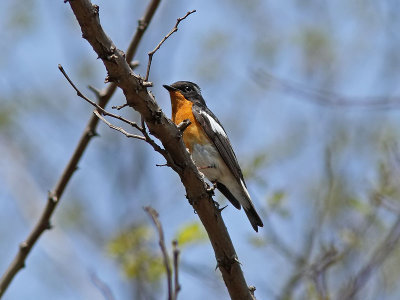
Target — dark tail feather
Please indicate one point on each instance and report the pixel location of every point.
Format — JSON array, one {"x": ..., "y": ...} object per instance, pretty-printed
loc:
[
  {"x": 223, "y": 189},
  {"x": 254, "y": 218}
]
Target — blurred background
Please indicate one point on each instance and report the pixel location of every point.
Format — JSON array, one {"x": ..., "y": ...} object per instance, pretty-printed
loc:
[{"x": 308, "y": 93}]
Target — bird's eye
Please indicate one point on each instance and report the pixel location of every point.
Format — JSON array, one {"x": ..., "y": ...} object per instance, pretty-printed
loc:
[{"x": 187, "y": 88}]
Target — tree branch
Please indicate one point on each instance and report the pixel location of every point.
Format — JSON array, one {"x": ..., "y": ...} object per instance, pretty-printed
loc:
[
  {"x": 154, "y": 217},
  {"x": 120, "y": 129},
  {"x": 177, "y": 286},
  {"x": 175, "y": 29},
  {"x": 167, "y": 132},
  {"x": 44, "y": 221},
  {"x": 104, "y": 289}
]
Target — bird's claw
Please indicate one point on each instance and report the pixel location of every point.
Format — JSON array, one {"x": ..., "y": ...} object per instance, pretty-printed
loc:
[{"x": 211, "y": 189}]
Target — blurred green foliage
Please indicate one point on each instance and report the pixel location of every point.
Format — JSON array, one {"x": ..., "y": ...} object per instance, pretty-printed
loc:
[
  {"x": 134, "y": 250},
  {"x": 191, "y": 233}
]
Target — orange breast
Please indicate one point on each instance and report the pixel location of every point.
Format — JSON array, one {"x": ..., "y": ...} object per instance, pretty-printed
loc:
[{"x": 181, "y": 110}]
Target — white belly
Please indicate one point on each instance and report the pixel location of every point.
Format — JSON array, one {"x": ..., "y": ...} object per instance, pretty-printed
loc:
[{"x": 209, "y": 162}]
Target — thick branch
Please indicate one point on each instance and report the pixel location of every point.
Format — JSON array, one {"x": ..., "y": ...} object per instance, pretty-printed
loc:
[
  {"x": 161, "y": 127},
  {"x": 89, "y": 132}
]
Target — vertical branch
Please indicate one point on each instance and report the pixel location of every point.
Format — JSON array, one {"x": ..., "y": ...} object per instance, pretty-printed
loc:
[
  {"x": 154, "y": 216},
  {"x": 177, "y": 286}
]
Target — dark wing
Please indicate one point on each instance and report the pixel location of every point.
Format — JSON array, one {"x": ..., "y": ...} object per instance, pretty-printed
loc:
[{"x": 214, "y": 130}]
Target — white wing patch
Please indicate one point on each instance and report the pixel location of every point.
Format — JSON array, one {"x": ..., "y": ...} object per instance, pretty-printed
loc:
[
  {"x": 246, "y": 193},
  {"x": 214, "y": 124}
]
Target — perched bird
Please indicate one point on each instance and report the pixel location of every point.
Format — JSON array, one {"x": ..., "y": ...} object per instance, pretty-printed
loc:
[{"x": 210, "y": 147}]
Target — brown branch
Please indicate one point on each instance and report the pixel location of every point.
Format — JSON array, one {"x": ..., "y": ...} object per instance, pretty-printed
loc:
[
  {"x": 154, "y": 216},
  {"x": 167, "y": 132},
  {"x": 175, "y": 29},
  {"x": 177, "y": 286},
  {"x": 44, "y": 221},
  {"x": 119, "y": 107},
  {"x": 183, "y": 125}
]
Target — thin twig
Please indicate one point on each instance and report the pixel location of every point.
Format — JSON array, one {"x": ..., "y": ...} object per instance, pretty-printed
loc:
[
  {"x": 142, "y": 128},
  {"x": 119, "y": 107},
  {"x": 154, "y": 216},
  {"x": 151, "y": 53},
  {"x": 102, "y": 286},
  {"x": 183, "y": 125},
  {"x": 177, "y": 286},
  {"x": 152, "y": 143},
  {"x": 120, "y": 129},
  {"x": 106, "y": 113},
  {"x": 90, "y": 131}
]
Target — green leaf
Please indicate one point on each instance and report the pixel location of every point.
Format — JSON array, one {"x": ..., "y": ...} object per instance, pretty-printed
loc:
[{"x": 190, "y": 234}]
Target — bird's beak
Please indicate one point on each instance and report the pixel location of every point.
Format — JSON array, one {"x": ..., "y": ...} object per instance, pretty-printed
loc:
[{"x": 169, "y": 88}]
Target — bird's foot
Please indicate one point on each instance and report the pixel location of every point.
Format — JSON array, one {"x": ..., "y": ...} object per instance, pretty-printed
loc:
[{"x": 211, "y": 189}]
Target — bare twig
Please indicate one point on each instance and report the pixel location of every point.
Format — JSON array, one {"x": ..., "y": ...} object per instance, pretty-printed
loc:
[
  {"x": 154, "y": 216},
  {"x": 102, "y": 286},
  {"x": 156, "y": 147},
  {"x": 120, "y": 129},
  {"x": 184, "y": 124},
  {"x": 177, "y": 286},
  {"x": 142, "y": 128},
  {"x": 90, "y": 131},
  {"x": 119, "y": 107},
  {"x": 151, "y": 53},
  {"x": 104, "y": 112}
]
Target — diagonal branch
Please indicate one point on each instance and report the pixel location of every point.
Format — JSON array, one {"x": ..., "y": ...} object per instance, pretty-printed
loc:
[
  {"x": 44, "y": 221},
  {"x": 103, "y": 111}
]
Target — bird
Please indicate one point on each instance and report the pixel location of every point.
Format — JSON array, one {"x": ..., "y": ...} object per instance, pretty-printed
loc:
[{"x": 210, "y": 148}]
